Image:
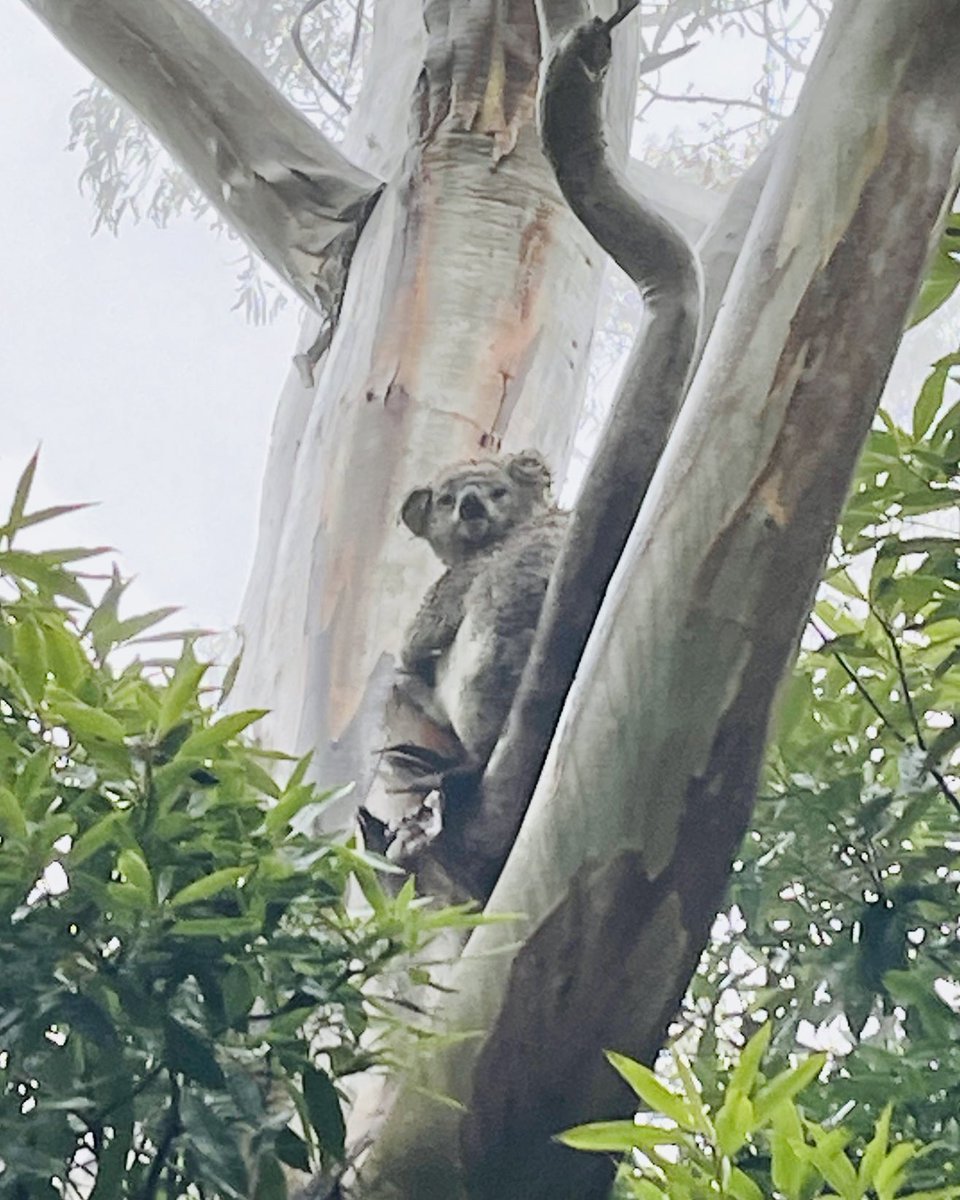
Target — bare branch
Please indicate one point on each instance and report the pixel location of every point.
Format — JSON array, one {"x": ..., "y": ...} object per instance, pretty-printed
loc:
[{"x": 296, "y": 36}]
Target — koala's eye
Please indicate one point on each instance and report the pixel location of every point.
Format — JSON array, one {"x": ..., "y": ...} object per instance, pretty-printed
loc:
[
  {"x": 445, "y": 501},
  {"x": 498, "y": 493}
]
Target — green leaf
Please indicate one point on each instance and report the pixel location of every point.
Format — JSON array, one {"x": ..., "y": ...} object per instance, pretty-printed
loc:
[
  {"x": 742, "y": 1187},
  {"x": 180, "y": 691},
  {"x": 133, "y": 867},
  {"x": 209, "y": 885},
  {"x": 65, "y": 655},
  {"x": 215, "y": 927},
  {"x": 940, "y": 282},
  {"x": 279, "y": 817},
  {"x": 87, "y": 1017},
  {"x": 931, "y": 395},
  {"x": 238, "y": 993},
  {"x": 84, "y": 721},
  {"x": 12, "y": 821},
  {"x": 744, "y": 1074},
  {"x": 617, "y": 1137},
  {"x": 190, "y": 1055},
  {"x": 651, "y": 1091},
  {"x": 291, "y": 1149},
  {"x": 31, "y": 652},
  {"x": 875, "y": 1150},
  {"x": 788, "y": 1171},
  {"x": 199, "y": 744},
  {"x": 692, "y": 1093},
  {"x": 644, "y": 1189},
  {"x": 50, "y": 579},
  {"x": 22, "y": 494},
  {"x": 212, "y": 1138},
  {"x": 128, "y": 628},
  {"x": 324, "y": 1111},
  {"x": 885, "y": 1176},
  {"x": 100, "y": 834},
  {"x": 734, "y": 1121},
  {"x": 786, "y": 1085},
  {"x": 271, "y": 1182}
]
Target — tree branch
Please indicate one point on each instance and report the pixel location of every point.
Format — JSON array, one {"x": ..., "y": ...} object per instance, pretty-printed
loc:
[
  {"x": 282, "y": 185},
  {"x": 661, "y": 263},
  {"x": 691, "y": 208}
]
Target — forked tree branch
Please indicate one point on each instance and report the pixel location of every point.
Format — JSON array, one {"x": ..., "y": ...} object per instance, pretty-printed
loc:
[
  {"x": 620, "y": 866},
  {"x": 271, "y": 173}
]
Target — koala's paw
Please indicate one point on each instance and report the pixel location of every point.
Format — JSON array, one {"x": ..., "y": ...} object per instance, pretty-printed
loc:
[{"x": 417, "y": 830}]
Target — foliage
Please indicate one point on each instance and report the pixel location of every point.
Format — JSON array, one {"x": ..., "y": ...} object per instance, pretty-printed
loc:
[
  {"x": 845, "y": 923},
  {"x": 182, "y": 983},
  {"x": 748, "y": 1139}
]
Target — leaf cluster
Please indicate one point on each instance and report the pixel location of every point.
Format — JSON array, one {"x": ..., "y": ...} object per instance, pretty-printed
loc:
[
  {"x": 747, "y": 1139},
  {"x": 183, "y": 985}
]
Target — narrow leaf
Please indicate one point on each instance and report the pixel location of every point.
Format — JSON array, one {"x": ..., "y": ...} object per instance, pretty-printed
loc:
[
  {"x": 651, "y": 1091},
  {"x": 199, "y": 744},
  {"x": 323, "y": 1108},
  {"x": 210, "y": 885}
]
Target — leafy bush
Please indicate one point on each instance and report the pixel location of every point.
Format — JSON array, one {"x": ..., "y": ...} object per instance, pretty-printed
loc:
[
  {"x": 752, "y": 1142},
  {"x": 182, "y": 983}
]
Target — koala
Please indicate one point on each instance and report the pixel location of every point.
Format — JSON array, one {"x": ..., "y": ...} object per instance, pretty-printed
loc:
[{"x": 492, "y": 524}]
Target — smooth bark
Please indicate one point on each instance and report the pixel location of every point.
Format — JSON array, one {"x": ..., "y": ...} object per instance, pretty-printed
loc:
[
  {"x": 440, "y": 355},
  {"x": 621, "y": 863},
  {"x": 281, "y": 184}
]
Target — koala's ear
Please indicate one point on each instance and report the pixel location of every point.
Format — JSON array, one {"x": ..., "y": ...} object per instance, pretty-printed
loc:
[
  {"x": 416, "y": 510},
  {"x": 529, "y": 469}
]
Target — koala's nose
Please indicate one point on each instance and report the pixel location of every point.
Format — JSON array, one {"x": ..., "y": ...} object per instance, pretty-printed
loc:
[{"x": 471, "y": 507}]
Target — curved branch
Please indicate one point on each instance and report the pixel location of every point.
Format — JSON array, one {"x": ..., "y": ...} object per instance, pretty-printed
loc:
[
  {"x": 659, "y": 260},
  {"x": 296, "y": 36}
]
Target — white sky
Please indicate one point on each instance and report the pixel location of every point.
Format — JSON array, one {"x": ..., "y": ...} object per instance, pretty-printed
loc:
[{"x": 122, "y": 356}]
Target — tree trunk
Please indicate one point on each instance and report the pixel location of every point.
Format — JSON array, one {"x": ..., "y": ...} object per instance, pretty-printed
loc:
[
  {"x": 439, "y": 356},
  {"x": 463, "y": 328},
  {"x": 621, "y": 863}
]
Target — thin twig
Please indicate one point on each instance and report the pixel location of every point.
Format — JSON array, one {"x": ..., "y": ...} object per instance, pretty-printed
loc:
[
  {"x": 171, "y": 1127},
  {"x": 725, "y": 101},
  {"x": 297, "y": 38},
  {"x": 357, "y": 29},
  {"x": 942, "y": 784},
  {"x": 857, "y": 682}
]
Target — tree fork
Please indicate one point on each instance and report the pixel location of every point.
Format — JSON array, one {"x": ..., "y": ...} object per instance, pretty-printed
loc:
[{"x": 621, "y": 862}]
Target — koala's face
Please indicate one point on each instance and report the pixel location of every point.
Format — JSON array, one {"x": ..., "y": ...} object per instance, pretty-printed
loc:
[{"x": 474, "y": 505}]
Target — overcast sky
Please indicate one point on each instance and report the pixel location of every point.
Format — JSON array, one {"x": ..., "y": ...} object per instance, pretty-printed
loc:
[{"x": 123, "y": 358}]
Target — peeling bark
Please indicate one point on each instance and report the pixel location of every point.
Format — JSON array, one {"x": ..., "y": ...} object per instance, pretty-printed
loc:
[
  {"x": 281, "y": 184},
  {"x": 650, "y": 780}
]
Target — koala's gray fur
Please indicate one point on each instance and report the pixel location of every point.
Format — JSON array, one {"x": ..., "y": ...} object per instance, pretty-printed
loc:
[{"x": 492, "y": 523}]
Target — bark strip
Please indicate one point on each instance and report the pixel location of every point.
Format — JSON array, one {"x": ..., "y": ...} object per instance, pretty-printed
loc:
[{"x": 272, "y": 174}]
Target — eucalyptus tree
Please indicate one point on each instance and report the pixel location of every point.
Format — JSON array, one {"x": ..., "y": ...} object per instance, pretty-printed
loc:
[{"x": 449, "y": 247}]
